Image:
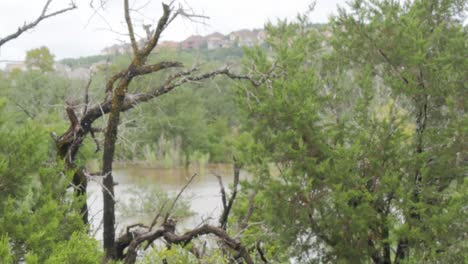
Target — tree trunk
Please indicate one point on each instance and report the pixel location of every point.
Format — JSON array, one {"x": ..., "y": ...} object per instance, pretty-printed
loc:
[
  {"x": 107, "y": 160},
  {"x": 81, "y": 185},
  {"x": 67, "y": 146}
]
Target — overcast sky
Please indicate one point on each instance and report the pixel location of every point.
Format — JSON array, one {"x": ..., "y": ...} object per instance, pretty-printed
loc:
[{"x": 83, "y": 32}]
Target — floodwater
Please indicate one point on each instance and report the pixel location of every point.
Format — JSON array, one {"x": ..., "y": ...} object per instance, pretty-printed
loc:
[{"x": 203, "y": 193}]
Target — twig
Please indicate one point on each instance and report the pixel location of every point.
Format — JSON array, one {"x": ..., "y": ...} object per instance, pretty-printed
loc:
[
  {"x": 178, "y": 196},
  {"x": 222, "y": 190},
  {"x": 90, "y": 177},
  {"x": 131, "y": 32},
  {"x": 155, "y": 220},
  {"x": 228, "y": 205},
  {"x": 42, "y": 16}
]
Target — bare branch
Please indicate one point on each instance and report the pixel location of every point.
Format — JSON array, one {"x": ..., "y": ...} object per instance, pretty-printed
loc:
[
  {"x": 178, "y": 196},
  {"x": 135, "y": 225},
  {"x": 131, "y": 32},
  {"x": 148, "y": 31},
  {"x": 168, "y": 233},
  {"x": 162, "y": 24},
  {"x": 42, "y": 16},
  {"x": 146, "y": 69},
  {"x": 90, "y": 177},
  {"x": 86, "y": 98},
  {"x": 141, "y": 70},
  {"x": 227, "y": 206},
  {"x": 191, "y": 16},
  {"x": 95, "y": 141},
  {"x": 131, "y": 100},
  {"x": 113, "y": 79},
  {"x": 155, "y": 220},
  {"x": 222, "y": 190}
]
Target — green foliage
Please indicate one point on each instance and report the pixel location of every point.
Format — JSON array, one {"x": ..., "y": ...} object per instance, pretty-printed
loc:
[
  {"x": 40, "y": 96},
  {"x": 179, "y": 255},
  {"x": 21, "y": 152},
  {"x": 173, "y": 129},
  {"x": 83, "y": 61},
  {"x": 44, "y": 218},
  {"x": 78, "y": 249},
  {"x": 361, "y": 143},
  {"x": 5, "y": 252},
  {"x": 40, "y": 59},
  {"x": 37, "y": 214},
  {"x": 176, "y": 254},
  {"x": 357, "y": 145}
]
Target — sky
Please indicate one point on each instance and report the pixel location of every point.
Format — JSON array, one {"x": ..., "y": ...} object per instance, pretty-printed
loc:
[{"x": 86, "y": 30}]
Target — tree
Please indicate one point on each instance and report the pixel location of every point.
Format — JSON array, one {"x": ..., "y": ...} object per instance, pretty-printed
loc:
[
  {"x": 40, "y": 59},
  {"x": 36, "y": 94},
  {"x": 36, "y": 215},
  {"x": 16, "y": 170},
  {"x": 119, "y": 99},
  {"x": 367, "y": 137}
]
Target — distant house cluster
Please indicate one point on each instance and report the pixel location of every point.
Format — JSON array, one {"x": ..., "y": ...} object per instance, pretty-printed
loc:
[
  {"x": 239, "y": 38},
  {"x": 213, "y": 41}
]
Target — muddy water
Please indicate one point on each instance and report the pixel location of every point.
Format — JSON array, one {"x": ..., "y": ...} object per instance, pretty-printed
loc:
[{"x": 203, "y": 192}]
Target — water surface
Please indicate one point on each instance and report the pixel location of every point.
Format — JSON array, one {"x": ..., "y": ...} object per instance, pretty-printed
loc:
[{"x": 203, "y": 193}]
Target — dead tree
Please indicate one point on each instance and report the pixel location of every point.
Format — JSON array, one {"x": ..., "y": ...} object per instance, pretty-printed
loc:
[
  {"x": 118, "y": 98},
  {"x": 45, "y": 14}
]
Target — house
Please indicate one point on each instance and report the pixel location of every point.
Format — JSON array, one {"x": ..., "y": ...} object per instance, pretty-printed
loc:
[
  {"x": 194, "y": 42},
  {"x": 243, "y": 37},
  {"x": 216, "y": 40}
]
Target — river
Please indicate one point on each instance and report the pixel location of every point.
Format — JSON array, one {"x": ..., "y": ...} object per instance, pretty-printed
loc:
[{"x": 203, "y": 193}]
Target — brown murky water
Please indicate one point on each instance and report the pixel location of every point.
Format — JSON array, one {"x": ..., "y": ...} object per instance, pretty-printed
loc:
[{"x": 203, "y": 192}]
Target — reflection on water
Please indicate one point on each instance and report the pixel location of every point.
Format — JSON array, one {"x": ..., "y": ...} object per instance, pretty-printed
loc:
[{"x": 203, "y": 192}]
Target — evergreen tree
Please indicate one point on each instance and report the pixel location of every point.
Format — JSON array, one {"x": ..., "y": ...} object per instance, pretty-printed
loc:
[{"x": 366, "y": 136}]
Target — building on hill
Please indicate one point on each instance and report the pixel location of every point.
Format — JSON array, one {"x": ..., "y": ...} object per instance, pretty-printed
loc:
[
  {"x": 194, "y": 42},
  {"x": 217, "y": 40},
  {"x": 213, "y": 41},
  {"x": 245, "y": 37}
]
